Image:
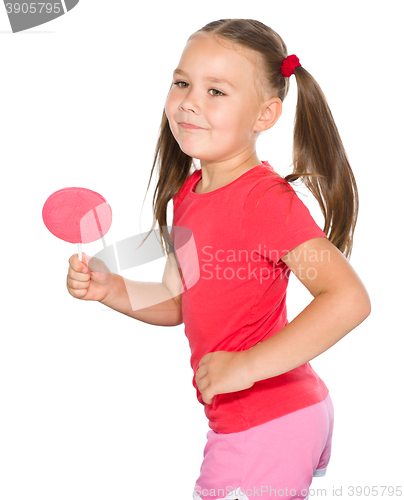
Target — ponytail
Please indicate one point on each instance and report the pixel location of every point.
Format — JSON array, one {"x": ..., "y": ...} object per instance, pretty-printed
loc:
[
  {"x": 320, "y": 159},
  {"x": 318, "y": 154}
]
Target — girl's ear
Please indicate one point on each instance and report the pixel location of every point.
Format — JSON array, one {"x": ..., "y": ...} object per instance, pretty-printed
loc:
[{"x": 271, "y": 111}]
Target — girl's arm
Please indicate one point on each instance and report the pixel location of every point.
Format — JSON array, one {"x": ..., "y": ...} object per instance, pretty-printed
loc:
[
  {"x": 150, "y": 302},
  {"x": 340, "y": 303}
]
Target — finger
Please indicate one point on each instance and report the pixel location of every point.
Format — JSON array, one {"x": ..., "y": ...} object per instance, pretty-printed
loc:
[
  {"x": 77, "y": 294},
  {"x": 76, "y": 264},
  {"x": 203, "y": 384},
  {"x": 77, "y": 276},
  {"x": 201, "y": 373},
  {"x": 205, "y": 359},
  {"x": 208, "y": 400},
  {"x": 77, "y": 284}
]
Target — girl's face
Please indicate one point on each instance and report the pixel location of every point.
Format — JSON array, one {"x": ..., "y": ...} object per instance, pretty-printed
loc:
[{"x": 225, "y": 112}]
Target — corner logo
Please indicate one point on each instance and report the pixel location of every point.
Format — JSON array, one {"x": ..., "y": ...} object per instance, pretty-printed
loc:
[{"x": 25, "y": 15}]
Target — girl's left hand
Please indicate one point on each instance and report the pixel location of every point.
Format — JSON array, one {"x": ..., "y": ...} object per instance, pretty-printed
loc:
[{"x": 221, "y": 372}]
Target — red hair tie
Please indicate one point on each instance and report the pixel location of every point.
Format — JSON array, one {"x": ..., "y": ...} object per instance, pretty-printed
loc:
[{"x": 289, "y": 64}]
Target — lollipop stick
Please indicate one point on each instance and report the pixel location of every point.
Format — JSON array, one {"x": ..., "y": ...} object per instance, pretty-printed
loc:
[
  {"x": 79, "y": 252},
  {"x": 99, "y": 229}
]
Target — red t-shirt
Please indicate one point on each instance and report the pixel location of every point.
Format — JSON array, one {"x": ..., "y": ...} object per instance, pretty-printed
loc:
[{"x": 236, "y": 294}]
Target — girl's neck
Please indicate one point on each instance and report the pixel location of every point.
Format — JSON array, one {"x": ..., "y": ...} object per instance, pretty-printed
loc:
[{"x": 218, "y": 174}]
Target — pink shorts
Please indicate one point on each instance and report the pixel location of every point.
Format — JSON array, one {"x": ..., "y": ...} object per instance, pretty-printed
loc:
[{"x": 272, "y": 460}]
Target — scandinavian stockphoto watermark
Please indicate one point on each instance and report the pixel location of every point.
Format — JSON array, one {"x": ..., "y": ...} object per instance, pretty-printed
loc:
[
  {"x": 231, "y": 493},
  {"x": 186, "y": 265},
  {"x": 286, "y": 492},
  {"x": 260, "y": 264},
  {"x": 25, "y": 15}
]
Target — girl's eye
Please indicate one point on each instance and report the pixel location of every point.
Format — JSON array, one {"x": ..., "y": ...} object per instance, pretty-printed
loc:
[
  {"x": 219, "y": 93},
  {"x": 179, "y": 84}
]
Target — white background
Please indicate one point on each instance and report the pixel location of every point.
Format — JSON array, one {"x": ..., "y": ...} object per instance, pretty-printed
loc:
[{"x": 95, "y": 405}]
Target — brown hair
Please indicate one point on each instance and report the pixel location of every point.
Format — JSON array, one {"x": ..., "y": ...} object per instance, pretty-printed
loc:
[{"x": 319, "y": 157}]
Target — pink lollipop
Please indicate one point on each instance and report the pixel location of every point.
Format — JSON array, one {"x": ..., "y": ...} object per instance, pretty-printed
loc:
[{"x": 77, "y": 215}]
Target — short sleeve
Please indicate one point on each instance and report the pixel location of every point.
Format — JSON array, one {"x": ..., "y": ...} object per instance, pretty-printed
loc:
[{"x": 275, "y": 220}]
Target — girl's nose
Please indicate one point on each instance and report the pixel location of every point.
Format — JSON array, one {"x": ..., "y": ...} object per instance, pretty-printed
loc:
[{"x": 189, "y": 103}]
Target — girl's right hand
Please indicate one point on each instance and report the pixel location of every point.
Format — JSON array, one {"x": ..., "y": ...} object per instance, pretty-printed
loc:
[{"x": 88, "y": 283}]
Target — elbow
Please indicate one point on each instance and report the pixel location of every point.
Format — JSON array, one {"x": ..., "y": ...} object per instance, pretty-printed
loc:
[
  {"x": 364, "y": 312},
  {"x": 367, "y": 309},
  {"x": 362, "y": 305},
  {"x": 354, "y": 303},
  {"x": 366, "y": 304},
  {"x": 178, "y": 318}
]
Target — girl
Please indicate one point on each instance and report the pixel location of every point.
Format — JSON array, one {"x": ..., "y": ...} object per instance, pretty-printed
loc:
[{"x": 270, "y": 415}]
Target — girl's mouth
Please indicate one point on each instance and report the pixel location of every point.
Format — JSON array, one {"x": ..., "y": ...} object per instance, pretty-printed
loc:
[{"x": 189, "y": 126}]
